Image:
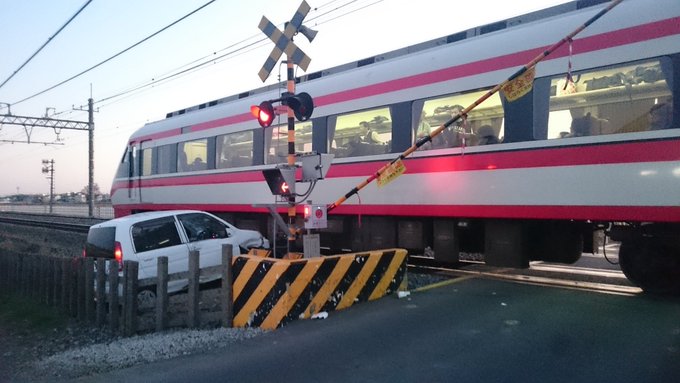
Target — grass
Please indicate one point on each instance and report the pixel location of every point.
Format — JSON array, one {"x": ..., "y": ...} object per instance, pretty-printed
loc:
[{"x": 24, "y": 314}]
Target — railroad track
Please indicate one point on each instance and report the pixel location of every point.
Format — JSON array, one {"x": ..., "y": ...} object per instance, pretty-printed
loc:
[
  {"x": 539, "y": 273},
  {"x": 71, "y": 224}
]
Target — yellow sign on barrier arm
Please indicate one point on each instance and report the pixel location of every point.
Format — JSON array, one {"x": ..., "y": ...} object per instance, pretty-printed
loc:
[{"x": 391, "y": 173}]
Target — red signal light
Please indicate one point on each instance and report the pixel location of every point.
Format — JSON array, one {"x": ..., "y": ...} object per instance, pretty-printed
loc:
[
  {"x": 118, "y": 254},
  {"x": 307, "y": 211},
  {"x": 284, "y": 188},
  {"x": 264, "y": 113}
]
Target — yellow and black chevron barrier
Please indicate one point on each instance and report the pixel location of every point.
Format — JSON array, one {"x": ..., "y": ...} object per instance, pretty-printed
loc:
[{"x": 270, "y": 292}]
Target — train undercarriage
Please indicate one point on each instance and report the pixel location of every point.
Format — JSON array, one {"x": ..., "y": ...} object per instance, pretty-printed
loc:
[{"x": 649, "y": 254}]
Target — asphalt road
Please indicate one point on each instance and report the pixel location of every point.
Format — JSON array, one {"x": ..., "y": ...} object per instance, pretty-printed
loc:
[{"x": 474, "y": 330}]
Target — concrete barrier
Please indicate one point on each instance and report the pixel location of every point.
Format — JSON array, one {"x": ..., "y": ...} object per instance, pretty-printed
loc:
[{"x": 269, "y": 292}]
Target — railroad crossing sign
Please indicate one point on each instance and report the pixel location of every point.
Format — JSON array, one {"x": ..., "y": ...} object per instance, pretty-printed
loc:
[{"x": 283, "y": 42}]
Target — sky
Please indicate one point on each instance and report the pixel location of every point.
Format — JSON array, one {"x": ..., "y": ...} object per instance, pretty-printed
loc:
[{"x": 224, "y": 34}]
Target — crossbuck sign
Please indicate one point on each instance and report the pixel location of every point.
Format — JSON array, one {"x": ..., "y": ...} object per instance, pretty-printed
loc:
[{"x": 283, "y": 42}]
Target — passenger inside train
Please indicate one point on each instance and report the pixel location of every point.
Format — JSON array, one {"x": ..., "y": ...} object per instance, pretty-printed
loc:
[{"x": 660, "y": 116}]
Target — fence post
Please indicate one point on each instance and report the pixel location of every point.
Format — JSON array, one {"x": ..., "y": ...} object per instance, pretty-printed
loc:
[
  {"x": 227, "y": 286},
  {"x": 49, "y": 281},
  {"x": 42, "y": 279},
  {"x": 162, "y": 294},
  {"x": 99, "y": 292},
  {"x": 130, "y": 274},
  {"x": 194, "y": 271},
  {"x": 73, "y": 287},
  {"x": 4, "y": 277},
  {"x": 17, "y": 274},
  {"x": 65, "y": 285},
  {"x": 89, "y": 289},
  {"x": 56, "y": 278},
  {"x": 35, "y": 275},
  {"x": 113, "y": 295},
  {"x": 80, "y": 283}
]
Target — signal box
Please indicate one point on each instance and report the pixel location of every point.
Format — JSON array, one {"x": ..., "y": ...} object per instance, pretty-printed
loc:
[{"x": 315, "y": 217}]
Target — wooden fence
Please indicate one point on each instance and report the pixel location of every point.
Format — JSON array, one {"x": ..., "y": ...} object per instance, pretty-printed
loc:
[{"x": 76, "y": 286}]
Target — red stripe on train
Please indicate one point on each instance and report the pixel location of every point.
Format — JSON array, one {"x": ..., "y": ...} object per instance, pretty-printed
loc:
[
  {"x": 594, "y": 213},
  {"x": 613, "y": 153}
]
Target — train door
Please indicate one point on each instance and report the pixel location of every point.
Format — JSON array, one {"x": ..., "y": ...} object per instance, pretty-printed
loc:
[
  {"x": 133, "y": 173},
  {"x": 142, "y": 167}
]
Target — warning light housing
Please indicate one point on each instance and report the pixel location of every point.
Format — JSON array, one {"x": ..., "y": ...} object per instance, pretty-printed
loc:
[
  {"x": 264, "y": 113},
  {"x": 302, "y": 105},
  {"x": 281, "y": 181}
]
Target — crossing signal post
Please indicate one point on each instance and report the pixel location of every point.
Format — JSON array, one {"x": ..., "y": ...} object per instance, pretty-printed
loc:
[{"x": 300, "y": 106}]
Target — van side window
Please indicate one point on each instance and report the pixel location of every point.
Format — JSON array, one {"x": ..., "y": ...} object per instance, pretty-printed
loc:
[
  {"x": 199, "y": 226},
  {"x": 155, "y": 234}
]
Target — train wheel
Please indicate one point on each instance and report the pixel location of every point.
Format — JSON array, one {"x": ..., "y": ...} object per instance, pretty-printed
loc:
[{"x": 651, "y": 264}]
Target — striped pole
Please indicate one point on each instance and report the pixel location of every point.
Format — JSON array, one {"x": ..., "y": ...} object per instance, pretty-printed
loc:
[
  {"x": 467, "y": 110},
  {"x": 291, "y": 152}
]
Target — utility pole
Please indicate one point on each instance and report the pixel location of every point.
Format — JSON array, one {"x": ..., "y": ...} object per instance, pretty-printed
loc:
[
  {"x": 57, "y": 124},
  {"x": 90, "y": 178},
  {"x": 48, "y": 168}
]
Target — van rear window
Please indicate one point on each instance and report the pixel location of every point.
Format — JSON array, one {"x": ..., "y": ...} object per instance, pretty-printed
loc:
[{"x": 101, "y": 242}]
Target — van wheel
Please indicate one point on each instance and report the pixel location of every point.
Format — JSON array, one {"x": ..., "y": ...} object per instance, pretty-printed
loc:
[{"x": 146, "y": 299}]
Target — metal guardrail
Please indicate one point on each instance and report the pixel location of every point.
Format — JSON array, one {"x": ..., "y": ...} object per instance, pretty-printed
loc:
[{"x": 103, "y": 211}]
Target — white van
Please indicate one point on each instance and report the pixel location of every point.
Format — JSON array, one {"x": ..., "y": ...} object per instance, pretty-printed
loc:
[{"x": 146, "y": 236}]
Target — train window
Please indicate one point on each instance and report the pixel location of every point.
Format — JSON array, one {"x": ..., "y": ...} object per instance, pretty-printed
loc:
[
  {"x": 133, "y": 161},
  {"x": 276, "y": 141},
  {"x": 484, "y": 124},
  {"x": 165, "y": 159},
  {"x": 146, "y": 161},
  {"x": 359, "y": 134},
  {"x": 234, "y": 150},
  {"x": 618, "y": 99},
  {"x": 192, "y": 155}
]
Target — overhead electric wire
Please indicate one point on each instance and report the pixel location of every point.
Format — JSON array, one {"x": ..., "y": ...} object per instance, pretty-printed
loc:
[
  {"x": 117, "y": 54},
  {"x": 210, "y": 59},
  {"x": 46, "y": 42}
]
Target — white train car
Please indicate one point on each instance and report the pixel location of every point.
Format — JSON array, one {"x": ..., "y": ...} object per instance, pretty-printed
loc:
[{"x": 570, "y": 157}]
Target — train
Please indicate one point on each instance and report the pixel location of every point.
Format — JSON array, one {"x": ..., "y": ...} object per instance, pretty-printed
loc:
[{"x": 593, "y": 146}]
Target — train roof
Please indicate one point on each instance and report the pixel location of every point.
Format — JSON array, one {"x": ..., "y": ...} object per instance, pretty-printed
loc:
[{"x": 449, "y": 39}]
